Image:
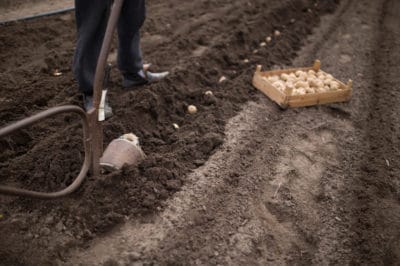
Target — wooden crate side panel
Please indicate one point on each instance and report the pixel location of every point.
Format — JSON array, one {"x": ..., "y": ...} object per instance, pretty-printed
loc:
[
  {"x": 319, "y": 98},
  {"x": 268, "y": 89}
]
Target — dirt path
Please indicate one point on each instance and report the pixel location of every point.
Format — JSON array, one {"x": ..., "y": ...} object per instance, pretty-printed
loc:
[{"x": 308, "y": 186}]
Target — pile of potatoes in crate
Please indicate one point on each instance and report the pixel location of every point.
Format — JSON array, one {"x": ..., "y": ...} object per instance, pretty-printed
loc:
[{"x": 304, "y": 82}]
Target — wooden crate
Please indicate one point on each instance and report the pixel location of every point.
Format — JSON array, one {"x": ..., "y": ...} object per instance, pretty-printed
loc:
[{"x": 284, "y": 99}]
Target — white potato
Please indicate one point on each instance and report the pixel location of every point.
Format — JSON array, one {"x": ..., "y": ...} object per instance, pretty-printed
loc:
[
  {"x": 303, "y": 76},
  {"x": 289, "y": 84},
  {"x": 316, "y": 83},
  {"x": 192, "y": 109},
  {"x": 301, "y": 84},
  {"x": 302, "y": 91},
  {"x": 309, "y": 90},
  {"x": 327, "y": 81},
  {"x": 273, "y": 78},
  {"x": 334, "y": 85},
  {"x": 295, "y": 92},
  {"x": 279, "y": 85},
  {"x": 299, "y": 73},
  {"x": 285, "y": 76}
]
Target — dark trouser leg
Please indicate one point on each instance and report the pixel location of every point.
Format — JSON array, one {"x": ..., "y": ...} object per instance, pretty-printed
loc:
[
  {"x": 129, "y": 53},
  {"x": 91, "y": 21}
]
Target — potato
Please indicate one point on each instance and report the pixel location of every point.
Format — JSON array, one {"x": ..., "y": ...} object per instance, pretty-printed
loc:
[
  {"x": 285, "y": 77},
  {"x": 334, "y": 85},
  {"x": 273, "y": 78},
  {"x": 296, "y": 92},
  {"x": 311, "y": 72},
  {"x": 302, "y": 91},
  {"x": 309, "y": 90},
  {"x": 311, "y": 76},
  {"x": 316, "y": 83},
  {"x": 301, "y": 84},
  {"x": 303, "y": 76},
  {"x": 299, "y": 73},
  {"x": 289, "y": 84},
  {"x": 327, "y": 81},
  {"x": 192, "y": 109},
  {"x": 311, "y": 81},
  {"x": 279, "y": 85}
]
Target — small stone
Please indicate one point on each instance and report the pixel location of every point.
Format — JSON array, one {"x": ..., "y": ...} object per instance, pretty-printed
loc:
[
  {"x": 277, "y": 33},
  {"x": 263, "y": 44},
  {"x": 255, "y": 51},
  {"x": 222, "y": 79},
  {"x": 57, "y": 73},
  {"x": 176, "y": 126},
  {"x": 292, "y": 21},
  {"x": 208, "y": 93},
  {"x": 246, "y": 61},
  {"x": 268, "y": 39}
]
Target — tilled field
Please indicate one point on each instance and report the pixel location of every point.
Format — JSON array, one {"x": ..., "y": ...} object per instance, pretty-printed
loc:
[{"x": 241, "y": 181}]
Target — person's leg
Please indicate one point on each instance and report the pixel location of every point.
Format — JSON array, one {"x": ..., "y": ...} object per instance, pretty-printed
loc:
[
  {"x": 129, "y": 53},
  {"x": 91, "y": 21},
  {"x": 131, "y": 20}
]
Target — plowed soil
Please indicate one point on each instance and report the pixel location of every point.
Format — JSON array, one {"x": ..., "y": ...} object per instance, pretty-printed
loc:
[{"x": 241, "y": 182}]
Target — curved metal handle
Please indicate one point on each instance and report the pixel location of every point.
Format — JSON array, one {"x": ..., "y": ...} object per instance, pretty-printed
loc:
[{"x": 86, "y": 164}]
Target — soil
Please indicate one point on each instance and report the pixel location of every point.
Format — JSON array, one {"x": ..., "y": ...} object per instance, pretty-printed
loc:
[
  {"x": 11, "y": 10},
  {"x": 241, "y": 181}
]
